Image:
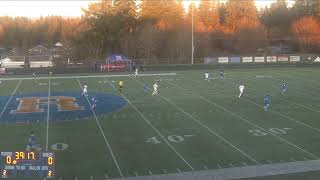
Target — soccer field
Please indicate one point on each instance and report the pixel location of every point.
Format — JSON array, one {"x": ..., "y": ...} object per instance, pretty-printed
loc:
[{"x": 191, "y": 129}]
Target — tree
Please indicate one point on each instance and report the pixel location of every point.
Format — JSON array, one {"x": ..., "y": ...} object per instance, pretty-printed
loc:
[
  {"x": 166, "y": 14},
  {"x": 239, "y": 10},
  {"x": 277, "y": 20},
  {"x": 307, "y": 31},
  {"x": 299, "y": 9},
  {"x": 208, "y": 14},
  {"x": 313, "y": 8}
]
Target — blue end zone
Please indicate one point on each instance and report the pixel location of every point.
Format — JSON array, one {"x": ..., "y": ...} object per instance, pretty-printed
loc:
[{"x": 106, "y": 103}]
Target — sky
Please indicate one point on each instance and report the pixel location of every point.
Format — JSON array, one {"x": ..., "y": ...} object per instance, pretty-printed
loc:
[{"x": 69, "y": 8}]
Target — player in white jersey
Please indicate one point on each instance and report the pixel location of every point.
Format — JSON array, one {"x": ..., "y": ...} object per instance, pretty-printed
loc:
[
  {"x": 34, "y": 76},
  {"x": 207, "y": 76},
  {"x": 241, "y": 89},
  {"x": 155, "y": 89},
  {"x": 85, "y": 90},
  {"x": 136, "y": 72},
  {"x": 94, "y": 103},
  {"x": 3, "y": 71}
]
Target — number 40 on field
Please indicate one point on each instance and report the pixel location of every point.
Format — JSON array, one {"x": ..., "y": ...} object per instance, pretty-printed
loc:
[{"x": 171, "y": 138}]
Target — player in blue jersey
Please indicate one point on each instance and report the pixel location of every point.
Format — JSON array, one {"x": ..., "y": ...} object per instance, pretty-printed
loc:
[
  {"x": 267, "y": 101},
  {"x": 32, "y": 144},
  {"x": 221, "y": 74},
  {"x": 284, "y": 87},
  {"x": 93, "y": 102},
  {"x": 145, "y": 88}
]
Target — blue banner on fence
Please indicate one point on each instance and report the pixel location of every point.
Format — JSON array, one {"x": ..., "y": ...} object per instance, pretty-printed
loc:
[{"x": 235, "y": 60}]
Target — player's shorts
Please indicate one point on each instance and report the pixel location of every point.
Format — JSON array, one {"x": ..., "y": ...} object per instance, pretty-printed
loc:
[
  {"x": 85, "y": 91},
  {"x": 120, "y": 87}
]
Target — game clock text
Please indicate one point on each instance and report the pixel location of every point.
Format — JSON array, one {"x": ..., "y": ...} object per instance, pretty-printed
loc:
[{"x": 27, "y": 164}]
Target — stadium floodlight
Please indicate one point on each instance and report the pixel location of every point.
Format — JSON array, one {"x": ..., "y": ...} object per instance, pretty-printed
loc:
[{"x": 192, "y": 29}]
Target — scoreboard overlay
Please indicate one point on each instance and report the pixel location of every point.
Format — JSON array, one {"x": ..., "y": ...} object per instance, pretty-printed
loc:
[{"x": 27, "y": 164}]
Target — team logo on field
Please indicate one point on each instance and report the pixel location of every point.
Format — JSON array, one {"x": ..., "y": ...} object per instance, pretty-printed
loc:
[
  {"x": 63, "y": 106},
  {"x": 32, "y": 104}
]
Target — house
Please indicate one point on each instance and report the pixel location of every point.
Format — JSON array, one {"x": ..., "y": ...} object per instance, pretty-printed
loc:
[
  {"x": 57, "y": 51},
  {"x": 40, "y": 56},
  {"x": 10, "y": 63},
  {"x": 17, "y": 51},
  {"x": 39, "y": 50},
  {"x": 3, "y": 52}
]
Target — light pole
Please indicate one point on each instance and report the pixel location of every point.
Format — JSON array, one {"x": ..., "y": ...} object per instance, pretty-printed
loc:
[{"x": 192, "y": 46}]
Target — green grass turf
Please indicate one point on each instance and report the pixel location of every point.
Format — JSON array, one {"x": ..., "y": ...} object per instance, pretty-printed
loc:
[{"x": 187, "y": 105}]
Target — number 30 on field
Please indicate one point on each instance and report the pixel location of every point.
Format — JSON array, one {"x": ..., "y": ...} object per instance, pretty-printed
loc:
[{"x": 276, "y": 131}]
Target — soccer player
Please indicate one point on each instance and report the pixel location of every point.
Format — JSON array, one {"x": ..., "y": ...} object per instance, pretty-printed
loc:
[
  {"x": 3, "y": 71},
  {"x": 241, "y": 89},
  {"x": 145, "y": 88},
  {"x": 207, "y": 76},
  {"x": 93, "y": 102},
  {"x": 120, "y": 84},
  {"x": 155, "y": 88},
  {"x": 221, "y": 75},
  {"x": 32, "y": 143},
  {"x": 266, "y": 100},
  {"x": 34, "y": 76},
  {"x": 85, "y": 89},
  {"x": 284, "y": 88},
  {"x": 136, "y": 72}
]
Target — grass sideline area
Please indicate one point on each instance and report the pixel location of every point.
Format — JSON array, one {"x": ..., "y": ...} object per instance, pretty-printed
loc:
[{"x": 192, "y": 125}]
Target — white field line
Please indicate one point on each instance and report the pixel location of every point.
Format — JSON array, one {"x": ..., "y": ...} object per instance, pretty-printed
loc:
[
  {"x": 150, "y": 124},
  {"x": 206, "y": 127},
  {"x": 302, "y": 105},
  {"x": 283, "y": 115},
  {"x": 101, "y": 131},
  {"x": 91, "y": 76},
  {"x": 305, "y": 79},
  {"x": 292, "y": 102},
  {"x": 239, "y": 172},
  {"x": 48, "y": 115},
  {"x": 14, "y": 92},
  {"x": 299, "y": 91},
  {"x": 289, "y": 101},
  {"x": 294, "y": 87},
  {"x": 251, "y": 123}
]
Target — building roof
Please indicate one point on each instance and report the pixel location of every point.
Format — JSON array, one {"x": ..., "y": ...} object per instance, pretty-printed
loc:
[
  {"x": 58, "y": 44},
  {"x": 38, "y": 47}
]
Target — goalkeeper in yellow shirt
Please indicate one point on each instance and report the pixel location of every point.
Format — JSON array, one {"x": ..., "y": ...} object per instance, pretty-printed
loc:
[{"x": 120, "y": 84}]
